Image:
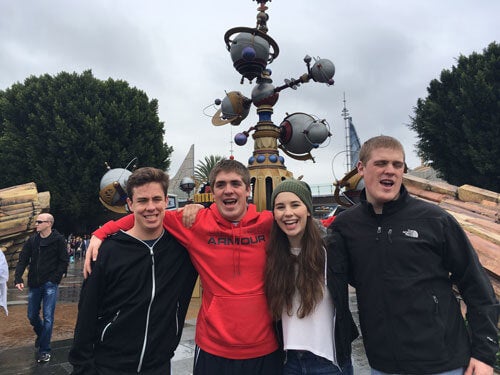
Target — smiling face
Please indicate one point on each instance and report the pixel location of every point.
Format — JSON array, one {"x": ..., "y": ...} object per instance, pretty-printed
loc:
[
  {"x": 383, "y": 176},
  {"x": 148, "y": 204},
  {"x": 290, "y": 213},
  {"x": 230, "y": 195}
]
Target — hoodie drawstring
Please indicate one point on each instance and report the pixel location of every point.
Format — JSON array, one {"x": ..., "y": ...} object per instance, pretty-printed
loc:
[{"x": 236, "y": 250}]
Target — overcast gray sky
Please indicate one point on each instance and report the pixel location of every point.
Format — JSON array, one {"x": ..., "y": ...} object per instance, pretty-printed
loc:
[{"x": 385, "y": 54}]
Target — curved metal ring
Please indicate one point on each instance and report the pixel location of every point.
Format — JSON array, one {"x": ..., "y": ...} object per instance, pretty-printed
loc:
[{"x": 276, "y": 50}]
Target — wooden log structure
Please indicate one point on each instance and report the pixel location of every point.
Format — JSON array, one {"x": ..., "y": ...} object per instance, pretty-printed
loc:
[{"x": 19, "y": 207}]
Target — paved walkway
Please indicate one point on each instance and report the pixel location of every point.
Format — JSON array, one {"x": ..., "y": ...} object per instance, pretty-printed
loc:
[{"x": 21, "y": 360}]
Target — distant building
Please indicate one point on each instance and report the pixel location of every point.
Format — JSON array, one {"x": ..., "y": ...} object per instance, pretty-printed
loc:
[{"x": 185, "y": 170}]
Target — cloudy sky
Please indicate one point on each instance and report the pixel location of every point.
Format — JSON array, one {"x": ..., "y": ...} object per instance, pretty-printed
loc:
[{"x": 385, "y": 54}]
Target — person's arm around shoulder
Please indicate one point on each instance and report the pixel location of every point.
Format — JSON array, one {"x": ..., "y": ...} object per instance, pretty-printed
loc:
[
  {"x": 111, "y": 226},
  {"x": 91, "y": 255},
  {"x": 99, "y": 235},
  {"x": 189, "y": 213},
  {"x": 180, "y": 223}
]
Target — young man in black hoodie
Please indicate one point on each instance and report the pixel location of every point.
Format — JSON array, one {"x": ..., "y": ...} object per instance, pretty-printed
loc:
[
  {"x": 45, "y": 254},
  {"x": 133, "y": 305}
]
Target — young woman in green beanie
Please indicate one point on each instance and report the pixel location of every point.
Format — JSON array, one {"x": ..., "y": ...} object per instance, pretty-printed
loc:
[{"x": 305, "y": 289}]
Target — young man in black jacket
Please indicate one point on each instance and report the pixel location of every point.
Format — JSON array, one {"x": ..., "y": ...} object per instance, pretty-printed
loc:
[
  {"x": 45, "y": 254},
  {"x": 404, "y": 256},
  {"x": 133, "y": 305}
]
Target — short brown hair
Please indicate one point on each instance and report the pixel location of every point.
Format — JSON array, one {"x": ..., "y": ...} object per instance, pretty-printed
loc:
[
  {"x": 381, "y": 141},
  {"x": 230, "y": 165},
  {"x": 144, "y": 176}
]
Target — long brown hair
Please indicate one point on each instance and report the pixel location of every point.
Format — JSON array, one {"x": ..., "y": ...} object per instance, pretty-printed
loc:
[{"x": 281, "y": 279}]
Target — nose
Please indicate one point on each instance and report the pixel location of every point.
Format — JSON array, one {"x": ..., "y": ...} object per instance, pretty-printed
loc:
[
  {"x": 389, "y": 168},
  {"x": 227, "y": 189}
]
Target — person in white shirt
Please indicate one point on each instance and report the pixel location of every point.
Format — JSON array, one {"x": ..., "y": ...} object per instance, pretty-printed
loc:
[
  {"x": 306, "y": 289},
  {"x": 4, "y": 277}
]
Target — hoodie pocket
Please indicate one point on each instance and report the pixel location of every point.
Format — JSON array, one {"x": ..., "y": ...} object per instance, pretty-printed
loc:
[
  {"x": 239, "y": 320},
  {"x": 107, "y": 328}
]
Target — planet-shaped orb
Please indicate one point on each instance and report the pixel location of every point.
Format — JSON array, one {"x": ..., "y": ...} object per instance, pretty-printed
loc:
[
  {"x": 113, "y": 191},
  {"x": 240, "y": 139},
  {"x": 323, "y": 71}
]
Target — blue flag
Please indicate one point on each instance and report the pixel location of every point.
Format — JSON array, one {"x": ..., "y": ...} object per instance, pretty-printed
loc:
[{"x": 354, "y": 145}]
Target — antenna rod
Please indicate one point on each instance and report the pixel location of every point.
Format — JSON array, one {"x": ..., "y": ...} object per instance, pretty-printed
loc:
[{"x": 345, "y": 115}]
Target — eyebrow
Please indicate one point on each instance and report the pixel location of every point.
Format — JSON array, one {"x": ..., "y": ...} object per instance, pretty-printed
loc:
[{"x": 230, "y": 181}]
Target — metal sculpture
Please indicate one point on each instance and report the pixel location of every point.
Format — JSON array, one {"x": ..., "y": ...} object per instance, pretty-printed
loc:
[{"x": 252, "y": 50}]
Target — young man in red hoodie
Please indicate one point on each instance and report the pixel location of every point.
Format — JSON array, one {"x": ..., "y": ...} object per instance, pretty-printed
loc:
[{"x": 227, "y": 244}]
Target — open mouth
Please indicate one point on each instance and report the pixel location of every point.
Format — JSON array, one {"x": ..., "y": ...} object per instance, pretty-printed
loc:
[
  {"x": 387, "y": 183},
  {"x": 290, "y": 223},
  {"x": 229, "y": 202}
]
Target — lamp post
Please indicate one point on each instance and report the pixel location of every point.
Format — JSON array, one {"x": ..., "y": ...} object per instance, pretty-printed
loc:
[{"x": 187, "y": 186}]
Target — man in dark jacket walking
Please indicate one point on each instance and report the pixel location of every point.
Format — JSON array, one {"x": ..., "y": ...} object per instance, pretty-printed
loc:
[{"x": 45, "y": 254}]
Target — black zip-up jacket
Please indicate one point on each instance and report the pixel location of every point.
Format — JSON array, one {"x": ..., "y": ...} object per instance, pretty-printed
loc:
[
  {"x": 346, "y": 330},
  {"x": 47, "y": 259},
  {"x": 132, "y": 307},
  {"x": 403, "y": 264}
]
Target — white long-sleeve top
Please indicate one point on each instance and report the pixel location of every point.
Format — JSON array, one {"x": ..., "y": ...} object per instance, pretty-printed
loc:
[{"x": 314, "y": 332}]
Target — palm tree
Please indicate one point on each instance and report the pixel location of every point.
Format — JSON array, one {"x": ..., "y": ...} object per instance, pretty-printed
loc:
[{"x": 203, "y": 168}]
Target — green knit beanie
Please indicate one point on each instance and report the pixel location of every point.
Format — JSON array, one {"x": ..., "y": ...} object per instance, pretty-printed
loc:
[{"x": 299, "y": 188}]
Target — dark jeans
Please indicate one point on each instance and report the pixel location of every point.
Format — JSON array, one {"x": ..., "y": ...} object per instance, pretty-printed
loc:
[
  {"x": 299, "y": 362},
  {"x": 206, "y": 363},
  {"x": 46, "y": 294}
]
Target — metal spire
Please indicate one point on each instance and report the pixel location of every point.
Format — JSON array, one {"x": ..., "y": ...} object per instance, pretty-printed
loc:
[{"x": 345, "y": 115}]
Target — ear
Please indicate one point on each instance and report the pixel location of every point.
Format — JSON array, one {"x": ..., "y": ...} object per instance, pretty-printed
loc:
[
  {"x": 130, "y": 204},
  {"x": 360, "y": 167}
]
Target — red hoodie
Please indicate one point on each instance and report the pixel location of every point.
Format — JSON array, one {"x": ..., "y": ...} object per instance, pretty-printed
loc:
[{"x": 233, "y": 321}]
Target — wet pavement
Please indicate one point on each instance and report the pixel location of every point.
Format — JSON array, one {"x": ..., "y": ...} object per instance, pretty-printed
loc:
[{"x": 21, "y": 360}]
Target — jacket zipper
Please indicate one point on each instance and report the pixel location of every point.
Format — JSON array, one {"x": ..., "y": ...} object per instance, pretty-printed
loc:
[
  {"x": 436, "y": 304},
  {"x": 109, "y": 325},
  {"x": 153, "y": 291},
  {"x": 177, "y": 319},
  {"x": 335, "y": 360}
]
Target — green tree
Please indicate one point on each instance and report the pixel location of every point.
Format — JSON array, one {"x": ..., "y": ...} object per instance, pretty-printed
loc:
[
  {"x": 458, "y": 124},
  {"x": 203, "y": 168},
  {"x": 59, "y": 131}
]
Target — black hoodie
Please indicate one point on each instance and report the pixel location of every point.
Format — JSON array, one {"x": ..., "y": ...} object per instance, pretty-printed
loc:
[{"x": 132, "y": 307}]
